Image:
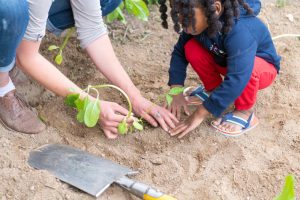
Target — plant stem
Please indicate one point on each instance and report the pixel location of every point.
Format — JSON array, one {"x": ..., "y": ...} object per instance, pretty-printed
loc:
[
  {"x": 286, "y": 35},
  {"x": 119, "y": 89},
  {"x": 94, "y": 89},
  {"x": 69, "y": 33}
]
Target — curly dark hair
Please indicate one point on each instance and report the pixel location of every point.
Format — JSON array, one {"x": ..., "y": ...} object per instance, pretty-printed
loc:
[{"x": 184, "y": 8}]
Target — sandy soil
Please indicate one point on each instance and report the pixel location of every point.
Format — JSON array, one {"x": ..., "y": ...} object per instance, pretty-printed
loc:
[{"x": 203, "y": 165}]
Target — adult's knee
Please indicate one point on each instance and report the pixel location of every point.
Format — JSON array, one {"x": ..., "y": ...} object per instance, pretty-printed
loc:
[{"x": 14, "y": 16}]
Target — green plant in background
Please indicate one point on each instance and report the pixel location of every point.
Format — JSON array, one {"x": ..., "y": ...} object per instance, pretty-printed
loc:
[
  {"x": 137, "y": 8},
  {"x": 59, "y": 57},
  {"x": 281, "y": 3},
  {"x": 288, "y": 191},
  {"x": 174, "y": 91},
  {"x": 88, "y": 111}
]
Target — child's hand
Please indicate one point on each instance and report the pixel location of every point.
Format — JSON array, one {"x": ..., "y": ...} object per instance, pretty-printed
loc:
[
  {"x": 177, "y": 104},
  {"x": 190, "y": 123}
]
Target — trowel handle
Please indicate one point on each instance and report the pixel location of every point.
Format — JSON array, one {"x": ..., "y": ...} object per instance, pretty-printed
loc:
[{"x": 143, "y": 191}]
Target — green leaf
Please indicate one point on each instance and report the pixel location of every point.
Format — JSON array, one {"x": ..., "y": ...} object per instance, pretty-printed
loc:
[
  {"x": 81, "y": 107},
  {"x": 138, "y": 126},
  {"x": 70, "y": 100},
  {"x": 79, "y": 103},
  {"x": 92, "y": 113},
  {"x": 52, "y": 47},
  {"x": 288, "y": 192},
  {"x": 169, "y": 99},
  {"x": 117, "y": 14},
  {"x": 137, "y": 8},
  {"x": 123, "y": 127},
  {"x": 176, "y": 90},
  {"x": 58, "y": 59}
]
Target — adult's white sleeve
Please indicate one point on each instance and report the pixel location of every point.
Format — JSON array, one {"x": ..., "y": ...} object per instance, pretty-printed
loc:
[
  {"x": 38, "y": 14},
  {"x": 88, "y": 21}
]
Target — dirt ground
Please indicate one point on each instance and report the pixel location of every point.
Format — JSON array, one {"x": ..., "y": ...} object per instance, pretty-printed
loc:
[{"x": 202, "y": 165}]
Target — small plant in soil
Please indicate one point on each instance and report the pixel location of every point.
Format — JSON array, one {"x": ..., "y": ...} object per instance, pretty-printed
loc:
[
  {"x": 59, "y": 57},
  {"x": 138, "y": 8},
  {"x": 288, "y": 191},
  {"x": 88, "y": 110}
]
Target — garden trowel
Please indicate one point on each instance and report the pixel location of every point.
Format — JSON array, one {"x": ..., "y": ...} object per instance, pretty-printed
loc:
[{"x": 88, "y": 172}]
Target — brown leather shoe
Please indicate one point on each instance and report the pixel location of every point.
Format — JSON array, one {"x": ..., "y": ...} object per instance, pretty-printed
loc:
[{"x": 16, "y": 115}]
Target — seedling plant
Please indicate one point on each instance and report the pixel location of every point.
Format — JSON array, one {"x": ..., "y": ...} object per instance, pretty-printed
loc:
[
  {"x": 88, "y": 110},
  {"x": 59, "y": 57}
]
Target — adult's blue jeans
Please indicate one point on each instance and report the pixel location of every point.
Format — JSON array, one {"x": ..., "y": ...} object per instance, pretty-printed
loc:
[
  {"x": 13, "y": 22},
  {"x": 61, "y": 15}
]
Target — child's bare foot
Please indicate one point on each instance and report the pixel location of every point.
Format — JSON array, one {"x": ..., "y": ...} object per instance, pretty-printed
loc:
[
  {"x": 236, "y": 122},
  {"x": 195, "y": 95}
]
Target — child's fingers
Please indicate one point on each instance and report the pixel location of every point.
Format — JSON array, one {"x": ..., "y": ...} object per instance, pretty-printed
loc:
[
  {"x": 180, "y": 128},
  {"x": 186, "y": 131},
  {"x": 193, "y": 101},
  {"x": 186, "y": 110},
  {"x": 178, "y": 112},
  {"x": 173, "y": 110}
]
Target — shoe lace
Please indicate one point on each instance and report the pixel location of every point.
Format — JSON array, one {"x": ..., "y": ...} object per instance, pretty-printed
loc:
[{"x": 22, "y": 103}]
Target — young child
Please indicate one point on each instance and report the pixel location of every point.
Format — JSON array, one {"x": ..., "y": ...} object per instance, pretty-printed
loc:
[{"x": 232, "y": 52}]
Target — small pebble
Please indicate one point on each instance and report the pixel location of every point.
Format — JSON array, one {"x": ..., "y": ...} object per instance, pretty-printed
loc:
[{"x": 32, "y": 188}]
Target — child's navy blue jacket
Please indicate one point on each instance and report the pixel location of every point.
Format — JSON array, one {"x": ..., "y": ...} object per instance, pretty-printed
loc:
[{"x": 236, "y": 50}]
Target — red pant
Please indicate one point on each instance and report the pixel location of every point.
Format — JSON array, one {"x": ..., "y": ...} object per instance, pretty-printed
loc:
[{"x": 210, "y": 72}]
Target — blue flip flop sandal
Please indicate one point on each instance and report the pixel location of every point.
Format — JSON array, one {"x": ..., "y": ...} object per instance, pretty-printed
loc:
[{"x": 245, "y": 124}]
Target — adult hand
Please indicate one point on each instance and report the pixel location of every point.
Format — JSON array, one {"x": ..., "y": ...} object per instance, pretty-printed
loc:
[
  {"x": 110, "y": 116},
  {"x": 190, "y": 123},
  {"x": 177, "y": 104},
  {"x": 154, "y": 114}
]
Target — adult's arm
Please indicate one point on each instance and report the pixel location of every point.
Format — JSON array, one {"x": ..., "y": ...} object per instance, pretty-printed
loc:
[
  {"x": 39, "y": 68},
  {"x": 93, "y": 37}
]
